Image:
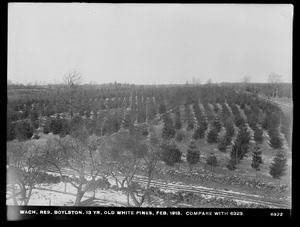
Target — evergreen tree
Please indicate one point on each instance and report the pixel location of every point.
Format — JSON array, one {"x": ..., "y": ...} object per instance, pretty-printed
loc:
[
  {"x": 275, "y": 139},
  {"x": 212, "y": 136},
  {"x": 180, "y": 136},
  {"x": 190, "y": 117},
  {"x": 46, "y": 128},
  {"x": 222, "y": 145},
  {"x": 271, "y": 120},
  {"x": 252, "y": 120},
  {"x": 34, "y": 117},
  {"x": 256, "y": 158},
  {"x": 241, "y": 145},
  {"x": 192, "y": 121},
  {"x": 217, "y": 125},
  {"x": 167, "y": 119},
  {"x": 203, "y": 123},
  {"x": 168, "y": 132},
  {"x": 59, "y": 126},
  {"x": 228, "y": 140},
  {"x": 64, "y": 127},
  {"x": 215, "y": 108},
  {"x": 23, "y": 129},
  {"x": 226, "y": 114},
  {"x": 141, "y": 111},
  {"x": 209, "y": 114},
  {"x": 151, "y": 110},
  {"x": 229, "y": 129},
  {"x": 258, "y": 135},
  {"x": 197, "y": 110},
  {"x": 285, "y": 128},
  {"x": 239, "y": 120},
  {"x": 278, "y": 167},
  {"x": 128, "y": 120},
  {"x": 177, "y": 120},
  {"x": 162, "y": 108},
  {"x": 170, "y": 154},
  {"x": 199, "y": 132},
  {"x": 193, "y": 154},
  {"x": 276, "y": 142}
]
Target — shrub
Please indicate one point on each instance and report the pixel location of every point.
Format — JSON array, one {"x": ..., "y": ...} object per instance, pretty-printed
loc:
[{"x": 102, "y": 183}]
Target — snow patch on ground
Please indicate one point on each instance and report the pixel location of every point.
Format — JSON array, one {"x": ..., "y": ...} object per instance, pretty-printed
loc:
[{"x": 53, "y": 194}]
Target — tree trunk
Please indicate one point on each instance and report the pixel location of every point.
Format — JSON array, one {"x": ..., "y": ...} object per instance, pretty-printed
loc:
[
  {"x": 78, "y": 197},
  {"x": 28, "y": 196},
  {"x": 23, "y": 192},
  {"x": 147, "y": 187},
  {"x": 136, "y": 202},
  {"x": 128, "y": 197},
  {"x": 94, "y": 186},
  {"x": 14, "y": 194}
]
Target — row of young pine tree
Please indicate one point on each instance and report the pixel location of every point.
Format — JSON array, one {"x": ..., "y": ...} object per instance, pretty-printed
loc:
[
  {"x": 171, "y": 155},
  {"x": 229, "y": 116},
  {"x": 239, "y": 148}
]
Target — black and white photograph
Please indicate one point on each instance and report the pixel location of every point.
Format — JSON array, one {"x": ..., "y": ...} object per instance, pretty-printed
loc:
[{"x": 149, "y": 107}]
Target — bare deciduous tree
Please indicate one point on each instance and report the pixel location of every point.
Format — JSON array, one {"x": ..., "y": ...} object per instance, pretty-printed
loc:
[
  {"x": 73, "y": 78},
  {"x": 69, "y": 100},
  {"x": 274, "y": 79},
  {"x": 23, "y": 165},
  {"x": 77, "y": 154},
  {"x": 128, "y": 155}
]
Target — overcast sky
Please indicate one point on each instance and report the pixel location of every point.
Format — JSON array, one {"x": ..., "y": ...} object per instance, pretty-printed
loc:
[{"x": 149, "y": 43}]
